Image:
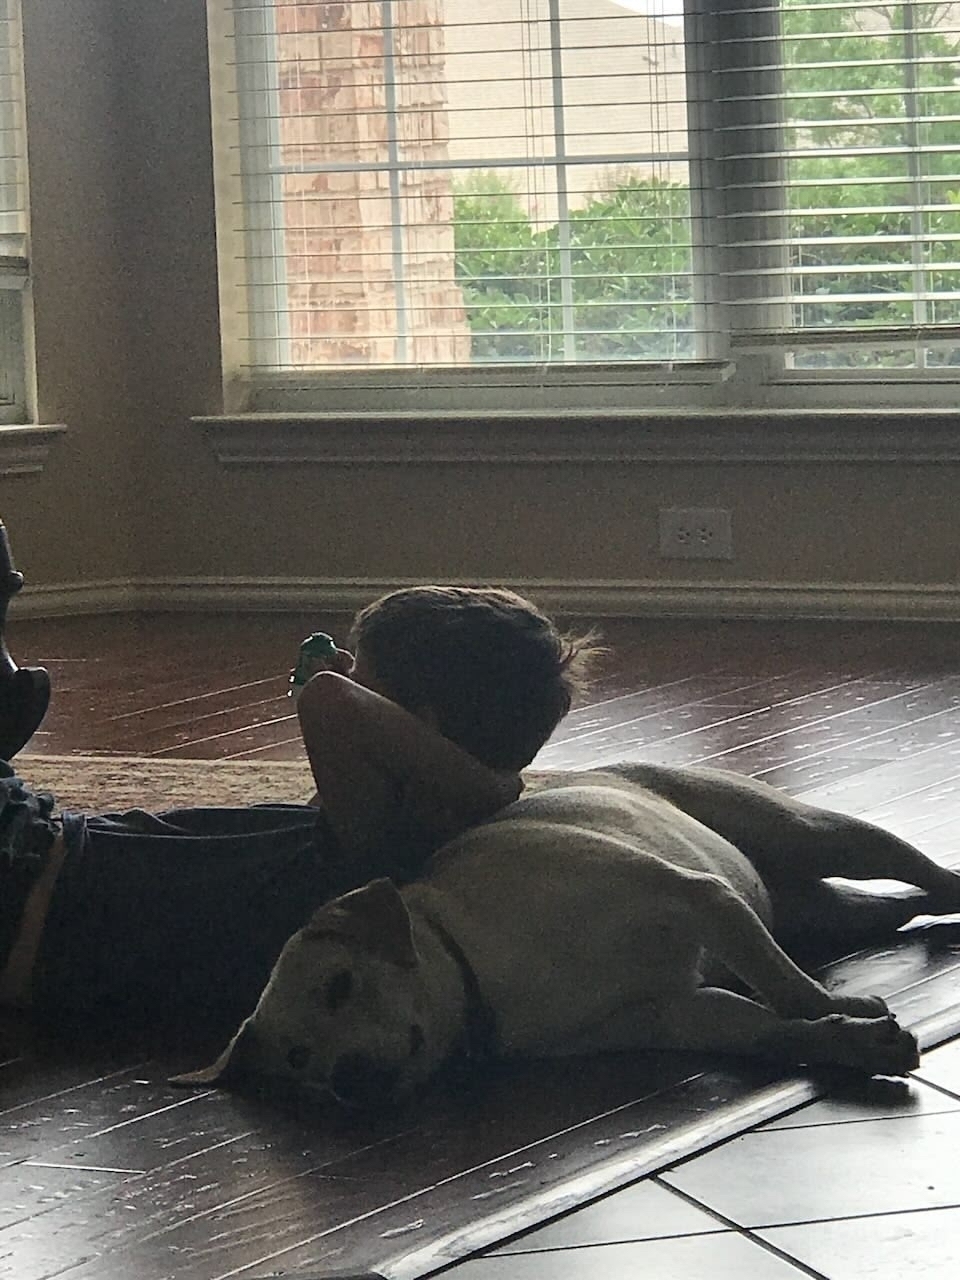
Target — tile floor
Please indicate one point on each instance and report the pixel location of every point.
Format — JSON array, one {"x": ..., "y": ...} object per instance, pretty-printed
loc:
[{"x": 842, "y": 1190}]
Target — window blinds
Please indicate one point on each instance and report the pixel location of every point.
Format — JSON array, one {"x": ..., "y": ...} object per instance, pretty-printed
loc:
[
  {"x": 843, "y": 139},
  {"x": 12, "y": 146},
  {"x": 424, "y": 183},
  {"x": 13, "y": 216}
]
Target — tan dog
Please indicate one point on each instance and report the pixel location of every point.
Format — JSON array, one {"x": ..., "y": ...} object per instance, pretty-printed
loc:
[{"x": 585, "y": 917}]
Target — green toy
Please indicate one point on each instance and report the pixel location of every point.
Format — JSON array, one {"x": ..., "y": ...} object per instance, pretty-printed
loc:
[{"x": 316, "y": 654}]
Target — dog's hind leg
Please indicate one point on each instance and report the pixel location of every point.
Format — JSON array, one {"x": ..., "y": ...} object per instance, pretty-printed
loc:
[
  {"x": 789, "y": 841},
  {"x": 818, "y": 844},
  {"x": 816, "y": 922},
  {"x": 705, "y": 908}
]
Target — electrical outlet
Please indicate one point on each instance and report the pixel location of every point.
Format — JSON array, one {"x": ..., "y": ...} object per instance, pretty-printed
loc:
[{"x": 696, "y": 533}]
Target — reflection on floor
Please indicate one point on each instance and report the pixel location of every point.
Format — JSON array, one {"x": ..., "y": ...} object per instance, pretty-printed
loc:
[{"x": 843, "y": 1190}]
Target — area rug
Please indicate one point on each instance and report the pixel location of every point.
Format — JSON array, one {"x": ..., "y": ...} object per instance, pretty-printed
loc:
[
  {"x": 468, "y": 1169},
  {"x": 109, "y": 784}
]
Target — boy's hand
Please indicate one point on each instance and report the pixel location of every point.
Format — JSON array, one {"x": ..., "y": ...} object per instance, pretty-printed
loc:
[{"x": 341, "y": 662}]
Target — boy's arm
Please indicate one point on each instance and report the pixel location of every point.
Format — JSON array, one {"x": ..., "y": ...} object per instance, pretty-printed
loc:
[{"x": 381, "y": 772}]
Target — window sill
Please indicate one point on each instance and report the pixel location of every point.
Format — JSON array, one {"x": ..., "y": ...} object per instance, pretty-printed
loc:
[
  {"x": 585, "y": 436},
  {"x": 24, "y": 449}
]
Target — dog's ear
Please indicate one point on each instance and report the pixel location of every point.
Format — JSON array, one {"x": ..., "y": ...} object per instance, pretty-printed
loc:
[
  {"x": 232, "y": 1065},
  {"x": 375, "y": 917}
]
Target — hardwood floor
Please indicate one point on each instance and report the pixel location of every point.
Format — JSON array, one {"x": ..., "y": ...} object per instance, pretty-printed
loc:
[
  {"x": 105, "y": 1171},
  {"x": 762, "y": 697},
  {"x": 168, "y": 685}
]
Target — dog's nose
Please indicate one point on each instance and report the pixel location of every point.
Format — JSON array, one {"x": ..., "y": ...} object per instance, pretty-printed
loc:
[{"x": 360, "y": 1081}]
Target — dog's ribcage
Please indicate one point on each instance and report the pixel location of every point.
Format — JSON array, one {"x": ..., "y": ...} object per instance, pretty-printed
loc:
[{"x": 566, "y": 906}]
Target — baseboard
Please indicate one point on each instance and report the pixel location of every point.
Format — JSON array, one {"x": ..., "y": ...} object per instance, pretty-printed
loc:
[
  {"x": 938, "y": 602},
  {"x": 66, "y": 599}
]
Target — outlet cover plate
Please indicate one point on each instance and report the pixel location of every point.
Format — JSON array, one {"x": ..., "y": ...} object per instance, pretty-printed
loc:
[{"x": 696, "y": 533}]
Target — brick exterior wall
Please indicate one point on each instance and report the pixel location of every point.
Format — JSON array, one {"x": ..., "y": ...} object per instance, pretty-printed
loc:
[{"x": 348, "y": 302}]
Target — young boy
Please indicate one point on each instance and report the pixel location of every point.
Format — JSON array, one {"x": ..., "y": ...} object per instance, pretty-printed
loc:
[{"x": 419, "y": 733}]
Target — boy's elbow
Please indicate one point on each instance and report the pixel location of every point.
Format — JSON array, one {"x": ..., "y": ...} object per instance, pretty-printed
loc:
[{"x": 324, "y": 697}]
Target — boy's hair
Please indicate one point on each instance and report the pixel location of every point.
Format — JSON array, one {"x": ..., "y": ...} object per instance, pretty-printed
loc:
[{"x": 493, "y": 669}]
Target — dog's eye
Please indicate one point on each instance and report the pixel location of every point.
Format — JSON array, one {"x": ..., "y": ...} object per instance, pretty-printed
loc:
[
  {"x": 417, "y": 1040},
  {"x": 298, "y": 1059},
  {"x": 338, "y": 989}
]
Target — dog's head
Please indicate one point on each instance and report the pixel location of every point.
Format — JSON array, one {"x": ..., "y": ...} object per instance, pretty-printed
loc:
[{"x": 345, "y": 1009}]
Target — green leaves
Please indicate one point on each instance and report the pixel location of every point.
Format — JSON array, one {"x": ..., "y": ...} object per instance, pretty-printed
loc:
[
  {"x": 625, "y": 255},
  {"x": 870, "y": 139},
  {"x": 883, "y": 83}
]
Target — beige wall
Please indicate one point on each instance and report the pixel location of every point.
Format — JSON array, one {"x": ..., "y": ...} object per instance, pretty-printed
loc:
[
  {"x": 74, "y": 521},
  {"x": 126, "y": 304}
]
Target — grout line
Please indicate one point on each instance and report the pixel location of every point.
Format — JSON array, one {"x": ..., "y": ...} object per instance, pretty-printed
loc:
[
  {"x": 502, "y": 1251},
  {"x": 853, "y": 1119},
  {"x": 852, "y": 1217},
  {"x": 930, "y": 1084},
  {"x": 746, "y": 1233}
]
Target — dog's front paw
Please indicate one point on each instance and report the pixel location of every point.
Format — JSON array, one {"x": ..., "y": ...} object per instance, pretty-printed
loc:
[
  {"x": 878, "y": 1046},
  {"x": 860, "y": 1006}
]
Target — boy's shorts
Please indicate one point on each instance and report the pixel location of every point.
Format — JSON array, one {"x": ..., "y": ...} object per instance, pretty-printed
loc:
[
  {"x": 181, "y": 910},
  {"x": 28, "y": 829}
]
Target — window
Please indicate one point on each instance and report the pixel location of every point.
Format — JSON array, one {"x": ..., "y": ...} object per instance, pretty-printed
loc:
[
  {"x": 13, "y": 218},
  {"x": 629, "y": 195}
]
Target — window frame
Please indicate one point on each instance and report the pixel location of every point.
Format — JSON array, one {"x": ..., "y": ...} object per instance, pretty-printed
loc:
[{"x": 739, "y": 368}]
